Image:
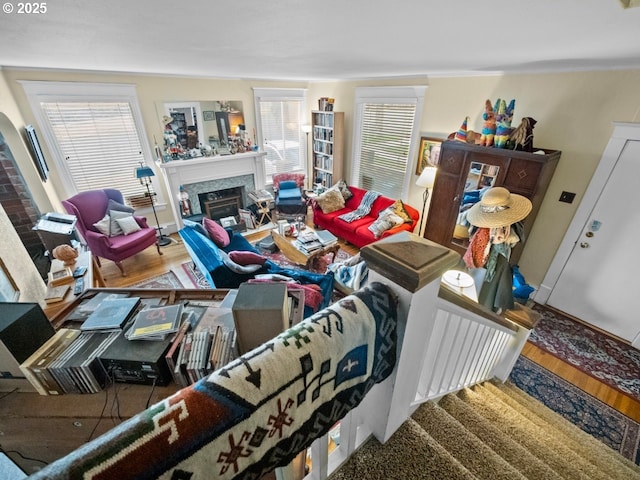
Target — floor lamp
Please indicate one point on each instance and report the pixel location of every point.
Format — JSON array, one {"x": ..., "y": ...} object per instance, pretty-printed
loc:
[
  {"x": 306, "y": 129},
  {"x": 426, "y": 180},
  {"x": 144, "y": 174}
]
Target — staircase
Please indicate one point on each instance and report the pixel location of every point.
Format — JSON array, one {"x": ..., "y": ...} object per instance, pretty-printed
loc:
[{"x": 490, "y": 431}]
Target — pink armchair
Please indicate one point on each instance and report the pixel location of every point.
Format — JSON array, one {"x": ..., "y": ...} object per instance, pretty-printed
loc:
[{"x": 90, "y": 207}]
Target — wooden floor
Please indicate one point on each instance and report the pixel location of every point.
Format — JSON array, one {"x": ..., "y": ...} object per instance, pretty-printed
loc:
[{"x": 149, "y": 264}]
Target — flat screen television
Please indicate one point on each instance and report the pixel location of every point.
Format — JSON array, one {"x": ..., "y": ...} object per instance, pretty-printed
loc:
[{"x": 36, "y": 152}]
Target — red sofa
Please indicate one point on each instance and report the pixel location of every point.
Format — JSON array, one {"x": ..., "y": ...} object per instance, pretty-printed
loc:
[{"x": 357, "y": 232}]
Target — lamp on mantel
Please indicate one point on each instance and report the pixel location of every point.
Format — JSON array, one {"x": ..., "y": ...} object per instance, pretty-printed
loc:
[
  {"x": 144, "y": 174},
  {"x": 426, "y": 180}
]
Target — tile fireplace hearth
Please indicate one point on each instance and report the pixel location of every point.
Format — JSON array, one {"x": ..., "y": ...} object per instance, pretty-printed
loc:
[{"x": 208, "y": 174}]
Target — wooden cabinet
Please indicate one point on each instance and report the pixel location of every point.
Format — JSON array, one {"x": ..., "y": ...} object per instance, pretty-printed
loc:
[
  {"x": 465, "y": 169},
  {"x": 328, "y": 146}
]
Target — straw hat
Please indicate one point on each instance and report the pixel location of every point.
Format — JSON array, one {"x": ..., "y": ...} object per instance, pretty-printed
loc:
[{"x": 498, "y": 208}]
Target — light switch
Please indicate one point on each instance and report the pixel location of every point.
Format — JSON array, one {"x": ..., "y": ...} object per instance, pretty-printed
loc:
[{"x": 567, "y": 197}]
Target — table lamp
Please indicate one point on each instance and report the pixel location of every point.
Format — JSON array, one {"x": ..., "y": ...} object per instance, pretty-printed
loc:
[{"x": 144, "y": 174}]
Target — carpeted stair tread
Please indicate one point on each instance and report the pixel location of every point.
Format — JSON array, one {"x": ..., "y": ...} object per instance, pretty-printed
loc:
[
  {"x": 567, "y": 427},
  {"x": 519, "y": 457},
  {"x": 410, "y": 454},
  {"x": 606, "y": 459},
  {"x": 539, "y": 442},
  {"x": 468, "y": 449}
]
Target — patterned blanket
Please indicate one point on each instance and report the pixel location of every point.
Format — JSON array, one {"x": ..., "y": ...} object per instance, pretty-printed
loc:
[
  {"x": 260, "y": 410},
  {"x": 363, "y": 209}
]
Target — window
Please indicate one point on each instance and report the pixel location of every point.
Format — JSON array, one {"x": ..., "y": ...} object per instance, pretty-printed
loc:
[
  {"x": 280, "y": 114},
  {"x": 94, "y": 134},
  {"x": 385, "y": 130}
]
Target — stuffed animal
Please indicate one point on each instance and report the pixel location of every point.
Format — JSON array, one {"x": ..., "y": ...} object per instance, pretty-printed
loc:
[
  {"x": 521, "y": 137},
  {"x": 504, "y": 116},
  {"x": 489, "y": 125}
]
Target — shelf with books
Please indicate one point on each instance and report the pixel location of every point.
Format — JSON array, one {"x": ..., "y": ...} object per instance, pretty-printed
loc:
[{"x": 328, "y": 146}]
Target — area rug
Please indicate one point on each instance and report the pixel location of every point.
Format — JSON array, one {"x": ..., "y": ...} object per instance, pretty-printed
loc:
[
  {"x": 588, "y": 413},
  {"x": 604, "y": 358},
  {"x": 165, "y": 280}
]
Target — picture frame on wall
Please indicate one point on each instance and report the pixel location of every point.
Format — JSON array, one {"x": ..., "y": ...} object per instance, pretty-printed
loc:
[
  {"x": 428, "y": 153},
  {"x": 8, "y": 289},
  {"x": 208, "y": 115}
]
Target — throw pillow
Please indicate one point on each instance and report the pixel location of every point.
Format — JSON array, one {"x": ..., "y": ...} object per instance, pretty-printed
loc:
[
  {"x": 330, "y": 201},
  {"x": 128, "y": 224},
  {"x": 247, "y": 258},
  {"x": 288, "y": 184},
  {"x": 398, "y": 209},
  {"x": 113, "y": 205},
  {"x": 344, "y": 190},
  {"x": 115, "y": 228},
  {"x": 104, "y": 225},
  {"x": 386, "y": 220},
  {"x": 236, "y": 268},
  {"x": 196, "y": 226},
  {"x": 216, "y": 232}
]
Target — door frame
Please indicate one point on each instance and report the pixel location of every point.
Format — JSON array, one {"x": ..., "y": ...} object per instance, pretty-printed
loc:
[{"x": 623, "y": 132}]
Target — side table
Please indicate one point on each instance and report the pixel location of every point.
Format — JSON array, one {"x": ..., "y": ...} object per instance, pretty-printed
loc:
[{"x": 92, "y": 278}]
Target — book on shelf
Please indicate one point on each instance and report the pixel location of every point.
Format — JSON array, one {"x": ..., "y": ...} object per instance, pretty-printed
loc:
[
  {"x": 111, "y": 314},
  {"x": 155, "y": 323},
  {"x": 56, "y": 294}
]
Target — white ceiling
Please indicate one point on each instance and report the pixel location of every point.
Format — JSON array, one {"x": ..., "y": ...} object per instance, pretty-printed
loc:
[{"x": 323, "y": 39}]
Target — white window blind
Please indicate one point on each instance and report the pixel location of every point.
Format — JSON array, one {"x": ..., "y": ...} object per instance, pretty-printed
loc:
[
  {"x": 95, "y": 135},
  {"x": 385, "y": 129},
  {"x": 386, "y": 140},
  {"x": 280, "y": 116},
  {"x": 99, "y": 143}
]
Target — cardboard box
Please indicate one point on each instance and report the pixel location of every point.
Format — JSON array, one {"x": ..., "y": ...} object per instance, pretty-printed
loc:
[{"x": 260, "y": 313}]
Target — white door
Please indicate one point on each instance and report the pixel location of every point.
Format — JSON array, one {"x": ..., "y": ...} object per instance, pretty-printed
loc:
[{"x": 600, "y": 282}]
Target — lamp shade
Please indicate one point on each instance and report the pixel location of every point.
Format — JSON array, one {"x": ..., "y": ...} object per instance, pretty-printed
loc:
[
  {"x": 144, "y": 172},
  {"x": 306, "y": 128},
  {"x": 427, "y": 177}
]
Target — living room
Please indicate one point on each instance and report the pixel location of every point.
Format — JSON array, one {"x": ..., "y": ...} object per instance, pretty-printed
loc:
[{"x": 574, "y": 109}]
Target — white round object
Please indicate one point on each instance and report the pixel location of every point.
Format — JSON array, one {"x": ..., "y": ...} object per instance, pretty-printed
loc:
[{"x": 458, "y": 279}]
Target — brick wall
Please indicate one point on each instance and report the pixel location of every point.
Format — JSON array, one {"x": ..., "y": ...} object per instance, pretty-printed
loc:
[{"x": 16, "y": 201}]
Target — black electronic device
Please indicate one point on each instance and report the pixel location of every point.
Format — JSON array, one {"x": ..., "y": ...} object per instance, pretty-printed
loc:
[
  {"x": 79, "y": 271},
  {"x": 137, "y": 361},
  {"x": 78, "y": 286},
  {"x": 23, "y": 329}
]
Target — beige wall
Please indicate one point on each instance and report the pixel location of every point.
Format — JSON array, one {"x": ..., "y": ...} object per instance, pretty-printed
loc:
[
  {"x": 19, "y": 264},
  {"x": 574, "y": 111}
]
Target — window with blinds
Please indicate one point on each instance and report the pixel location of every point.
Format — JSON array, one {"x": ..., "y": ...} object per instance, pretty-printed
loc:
[
  {"x": 280, "y": 117},
  {"x": 385, "y": 129},
  {"x": 94, "y": 133}
]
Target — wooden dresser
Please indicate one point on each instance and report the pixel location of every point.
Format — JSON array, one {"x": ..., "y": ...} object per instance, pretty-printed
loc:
[{"x": 465, "y": 167}]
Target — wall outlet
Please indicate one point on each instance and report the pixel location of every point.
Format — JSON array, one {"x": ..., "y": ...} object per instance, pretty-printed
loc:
[{"x": 567, "y": 197}]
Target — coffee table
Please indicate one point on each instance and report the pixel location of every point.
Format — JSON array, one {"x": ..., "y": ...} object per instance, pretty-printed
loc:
[{"x": 288, "y": 248}]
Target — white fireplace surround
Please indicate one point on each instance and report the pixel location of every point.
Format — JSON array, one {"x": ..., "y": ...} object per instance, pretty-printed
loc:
[{"x": 202, "y": 169}]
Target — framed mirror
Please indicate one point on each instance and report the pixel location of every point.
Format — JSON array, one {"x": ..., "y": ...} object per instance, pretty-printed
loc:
[
  {"x": 199, "y": 128},
  {"x": 480, "y": 177}
]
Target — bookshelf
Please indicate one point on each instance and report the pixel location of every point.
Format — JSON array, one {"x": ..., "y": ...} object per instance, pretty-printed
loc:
[{"x": 328, "y": 146}]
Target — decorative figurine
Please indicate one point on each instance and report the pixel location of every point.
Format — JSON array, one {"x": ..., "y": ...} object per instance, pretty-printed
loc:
[{"x": 66, "y": 253}]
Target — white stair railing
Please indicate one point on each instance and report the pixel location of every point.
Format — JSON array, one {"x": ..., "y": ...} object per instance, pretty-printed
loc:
[{"x": 463, "y": 348}]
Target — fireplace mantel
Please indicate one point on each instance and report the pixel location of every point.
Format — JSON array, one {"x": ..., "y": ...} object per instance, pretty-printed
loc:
[{"x": 195, "y": 170}]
